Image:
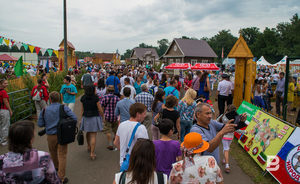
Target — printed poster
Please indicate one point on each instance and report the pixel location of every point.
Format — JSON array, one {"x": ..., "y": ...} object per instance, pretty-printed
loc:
[
  {"x": 264, "y": 137},
  {"x": 286, "y": 167},
  {"x": 250, "y": 110}
]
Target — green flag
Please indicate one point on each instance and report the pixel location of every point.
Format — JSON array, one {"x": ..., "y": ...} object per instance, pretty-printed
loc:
[{"x": 19, "y": 67}]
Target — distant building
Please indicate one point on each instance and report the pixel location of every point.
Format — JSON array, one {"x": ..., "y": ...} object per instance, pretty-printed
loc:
[
  {"x": 189, "y": 51},
  {"x": 100, "y": 58},
  {"x": 143, "y": 56},
  {"x": 71, "y": 58}
]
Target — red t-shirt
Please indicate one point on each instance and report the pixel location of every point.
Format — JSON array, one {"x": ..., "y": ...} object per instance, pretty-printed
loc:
[{"x": 3, "y": 94}]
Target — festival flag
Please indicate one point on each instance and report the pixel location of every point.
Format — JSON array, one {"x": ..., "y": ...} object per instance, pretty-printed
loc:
[
  {"x": 12, "y": 42},
  {"x": 25, "y": 46},
  {"x": 19, "y": 67},
  {"x": 19, "y": 45},
  {"x": 47, "y": 66},
  {"x": 1, "y": 40},
  {"x": 31, "y": 48},
  {"x": 60, "y": 65},
  {"x": 56, "y": 52},
  {"x": 37, "y": 50},
  {"x": 6, "y": 41},
  {"x": 222, "y": 53},
  {"x": 50, "y": 51},
  {"x": 43, "y": 51}
]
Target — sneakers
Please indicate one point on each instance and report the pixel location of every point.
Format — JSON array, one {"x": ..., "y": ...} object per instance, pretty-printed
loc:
[
  {"x": 110, "y": 148},
  {"x": 4, "y": 143},
  {"x": 227, "y": 168}
]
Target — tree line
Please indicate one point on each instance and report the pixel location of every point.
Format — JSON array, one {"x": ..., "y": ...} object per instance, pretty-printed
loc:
[{"x": 272, "y": 43}]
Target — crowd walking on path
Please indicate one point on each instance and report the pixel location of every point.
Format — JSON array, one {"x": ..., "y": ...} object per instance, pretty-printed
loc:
[{"x": 162, "y": 137}]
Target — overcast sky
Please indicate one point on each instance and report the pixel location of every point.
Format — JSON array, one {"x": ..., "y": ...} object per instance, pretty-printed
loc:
[{"x": 108, "y": 25}]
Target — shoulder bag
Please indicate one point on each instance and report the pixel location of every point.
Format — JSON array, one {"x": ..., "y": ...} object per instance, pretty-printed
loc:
[{"x": 125, "y": 163}]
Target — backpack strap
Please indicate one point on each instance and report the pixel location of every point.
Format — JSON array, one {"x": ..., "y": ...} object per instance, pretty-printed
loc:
[
  {"x": 131, "y": 138},
  {"x": 122, "y": 178},
  {"x": 160, "y": 178}
]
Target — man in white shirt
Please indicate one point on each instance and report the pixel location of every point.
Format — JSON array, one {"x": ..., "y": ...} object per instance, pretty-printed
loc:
[
  {"x": 137, "y": 113},
  {"x": 132, "y": 90},
  {"x": 223, "y": 91},
  {"x": 230, "y": 94}
]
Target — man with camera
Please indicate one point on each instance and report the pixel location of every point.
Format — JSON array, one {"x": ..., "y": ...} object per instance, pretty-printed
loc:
[
  {"x": 212, "y": 131},
  {"x": 49, "y": 118}
]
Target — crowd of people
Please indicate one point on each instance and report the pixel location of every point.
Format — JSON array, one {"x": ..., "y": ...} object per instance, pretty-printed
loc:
[{"x": 166, "y": 123}]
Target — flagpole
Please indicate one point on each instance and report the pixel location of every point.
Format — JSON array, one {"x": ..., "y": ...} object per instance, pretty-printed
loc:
[{"x": 65, "y": 36}]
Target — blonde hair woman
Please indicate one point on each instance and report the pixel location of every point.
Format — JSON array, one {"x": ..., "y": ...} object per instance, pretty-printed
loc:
[{"x": 186, "y": 108}]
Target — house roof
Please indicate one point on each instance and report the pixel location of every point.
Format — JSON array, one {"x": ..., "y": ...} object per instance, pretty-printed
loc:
[
  {"x": 194, "y": 48},
  {"x": 141, "y": 52},
  {"x": 104, "y": 56},
  {"x": 69, "y": 44}
]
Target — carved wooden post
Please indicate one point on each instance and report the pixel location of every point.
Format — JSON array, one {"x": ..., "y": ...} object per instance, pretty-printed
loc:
[{"x": 245, "y": 71}]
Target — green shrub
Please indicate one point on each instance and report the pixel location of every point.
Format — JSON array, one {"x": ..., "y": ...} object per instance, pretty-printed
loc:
[{"x": 28, "y": 81}]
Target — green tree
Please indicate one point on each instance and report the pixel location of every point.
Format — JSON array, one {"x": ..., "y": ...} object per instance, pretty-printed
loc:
[
  {"x": 126, "y": 54},
  {"x": 224, "y": 39},
  {"x": 163, "y": 45}
]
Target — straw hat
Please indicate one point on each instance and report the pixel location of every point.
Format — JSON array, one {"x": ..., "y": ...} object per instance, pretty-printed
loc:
[{"x": 193, "y": 142}]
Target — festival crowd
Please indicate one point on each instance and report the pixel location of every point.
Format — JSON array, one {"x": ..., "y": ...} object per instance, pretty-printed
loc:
[{"x": 166, "y": 124}]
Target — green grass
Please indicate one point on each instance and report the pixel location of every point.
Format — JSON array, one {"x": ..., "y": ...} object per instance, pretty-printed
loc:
[{"x": 248, "y": 165}]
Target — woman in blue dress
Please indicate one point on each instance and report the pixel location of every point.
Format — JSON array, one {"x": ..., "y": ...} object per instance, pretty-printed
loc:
[{"x": 204, "y": 88}]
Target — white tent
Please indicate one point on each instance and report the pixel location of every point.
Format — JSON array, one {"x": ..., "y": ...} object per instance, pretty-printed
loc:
[
  {"x": 263, "y": 61},
  {"x": 228, "y": 61},
  {"x": 282, "y": 61}
]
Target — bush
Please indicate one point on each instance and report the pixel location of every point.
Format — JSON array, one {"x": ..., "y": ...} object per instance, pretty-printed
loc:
[{"x": 56, "y": 80}]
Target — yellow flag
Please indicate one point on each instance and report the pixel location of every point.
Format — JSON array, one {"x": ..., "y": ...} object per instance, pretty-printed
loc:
[
  {"x": 56, "y": 52},
  {"x": 31, "y": 48},
  {"x": 6, "y": 41}
]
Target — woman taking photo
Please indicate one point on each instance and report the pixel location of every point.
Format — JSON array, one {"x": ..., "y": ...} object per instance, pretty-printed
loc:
[
  {"x": 186, "y": 108},
  {"x": 5, "y": 112},
  {"x": 142, "y": 166},
  {"x": 91, "y": 122},
  {"x": 23, "y": 164},
  {"x": 157, "y": 108}
]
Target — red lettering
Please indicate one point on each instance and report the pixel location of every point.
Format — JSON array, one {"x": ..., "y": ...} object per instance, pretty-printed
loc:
[
  {"x": 297, "y": 177},
  {"x": 280, "y": 136},
  {"x": 288, "y": 163},
  {"x": 298, "y": 148},
  {"x": 283, "y": 132}
]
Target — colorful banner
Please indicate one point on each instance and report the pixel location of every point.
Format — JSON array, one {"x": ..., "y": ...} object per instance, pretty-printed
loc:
[
  {"x": 31, "y": 48},
  {"x": 50, "y": 51},
  {"x": 250, "y": 110},
  {"x": 6, "y": 41},
  {"x": 264, "y": 138},
  {"x": 56, "y": 52},
  {"x": 285, "y": 168}
]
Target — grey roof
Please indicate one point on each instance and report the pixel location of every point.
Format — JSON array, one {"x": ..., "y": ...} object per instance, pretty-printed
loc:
[
  {"x": 195, "y": 48},
  {"x": 141, "y": 52}
]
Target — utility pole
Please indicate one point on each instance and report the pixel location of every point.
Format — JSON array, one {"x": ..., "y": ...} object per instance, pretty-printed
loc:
[{"x": 65, "y": 37}]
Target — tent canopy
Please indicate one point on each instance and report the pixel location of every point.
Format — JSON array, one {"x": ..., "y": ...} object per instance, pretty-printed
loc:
[
  {"x": 229, "y": 61},
  {"x": 263, "y": 61},
  {"x": 5, "y": 57},
  {"x": 205, "y": 66},
  {"x": 282, "y": 61},
  {"x": 182, "y": 66}
]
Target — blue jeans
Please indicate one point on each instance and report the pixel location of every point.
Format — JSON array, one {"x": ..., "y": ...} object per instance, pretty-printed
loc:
[{"x": 185, "y": 128}]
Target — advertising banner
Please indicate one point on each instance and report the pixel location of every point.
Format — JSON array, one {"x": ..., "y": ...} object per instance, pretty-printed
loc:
[
  {"x": 285, "y": 167},
  {"x": 264, "y": 137},
  {"x": 250, "y": 110}
]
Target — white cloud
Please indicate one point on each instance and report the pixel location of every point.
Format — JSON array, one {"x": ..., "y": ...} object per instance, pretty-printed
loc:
[{"x": 104, "y": 26}]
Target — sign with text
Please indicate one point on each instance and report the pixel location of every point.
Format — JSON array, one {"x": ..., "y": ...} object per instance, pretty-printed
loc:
[
  {"x": 264, "y": 137},
  {"x": 287, "y": 170},
  {"x": 250, "y": 110}
]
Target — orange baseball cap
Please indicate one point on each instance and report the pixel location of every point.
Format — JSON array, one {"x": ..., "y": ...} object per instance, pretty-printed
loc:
[{"x": 193, "y": 141}]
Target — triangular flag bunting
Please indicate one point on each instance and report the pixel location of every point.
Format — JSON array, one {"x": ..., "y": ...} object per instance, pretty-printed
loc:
[
  {"x": 19, "y": 45},
  {"x": 37, "y": 50},
  {"x": 56, "y": 52},
  {"x": 19, "y": 67},
  {"x": 31, "y": 48},
  {"x": 6, "y": 41},
  {"x": 25, "y": 46},
  {"x": 43, "y": 51},
  {"x": 50, "y": 51},
  {"x": 1, "y": 40},
  {"x": 12, "y": 42}
]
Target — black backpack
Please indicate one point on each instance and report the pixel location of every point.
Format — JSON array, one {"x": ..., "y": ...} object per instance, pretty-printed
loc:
[{"x": 66, "y": 128}]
